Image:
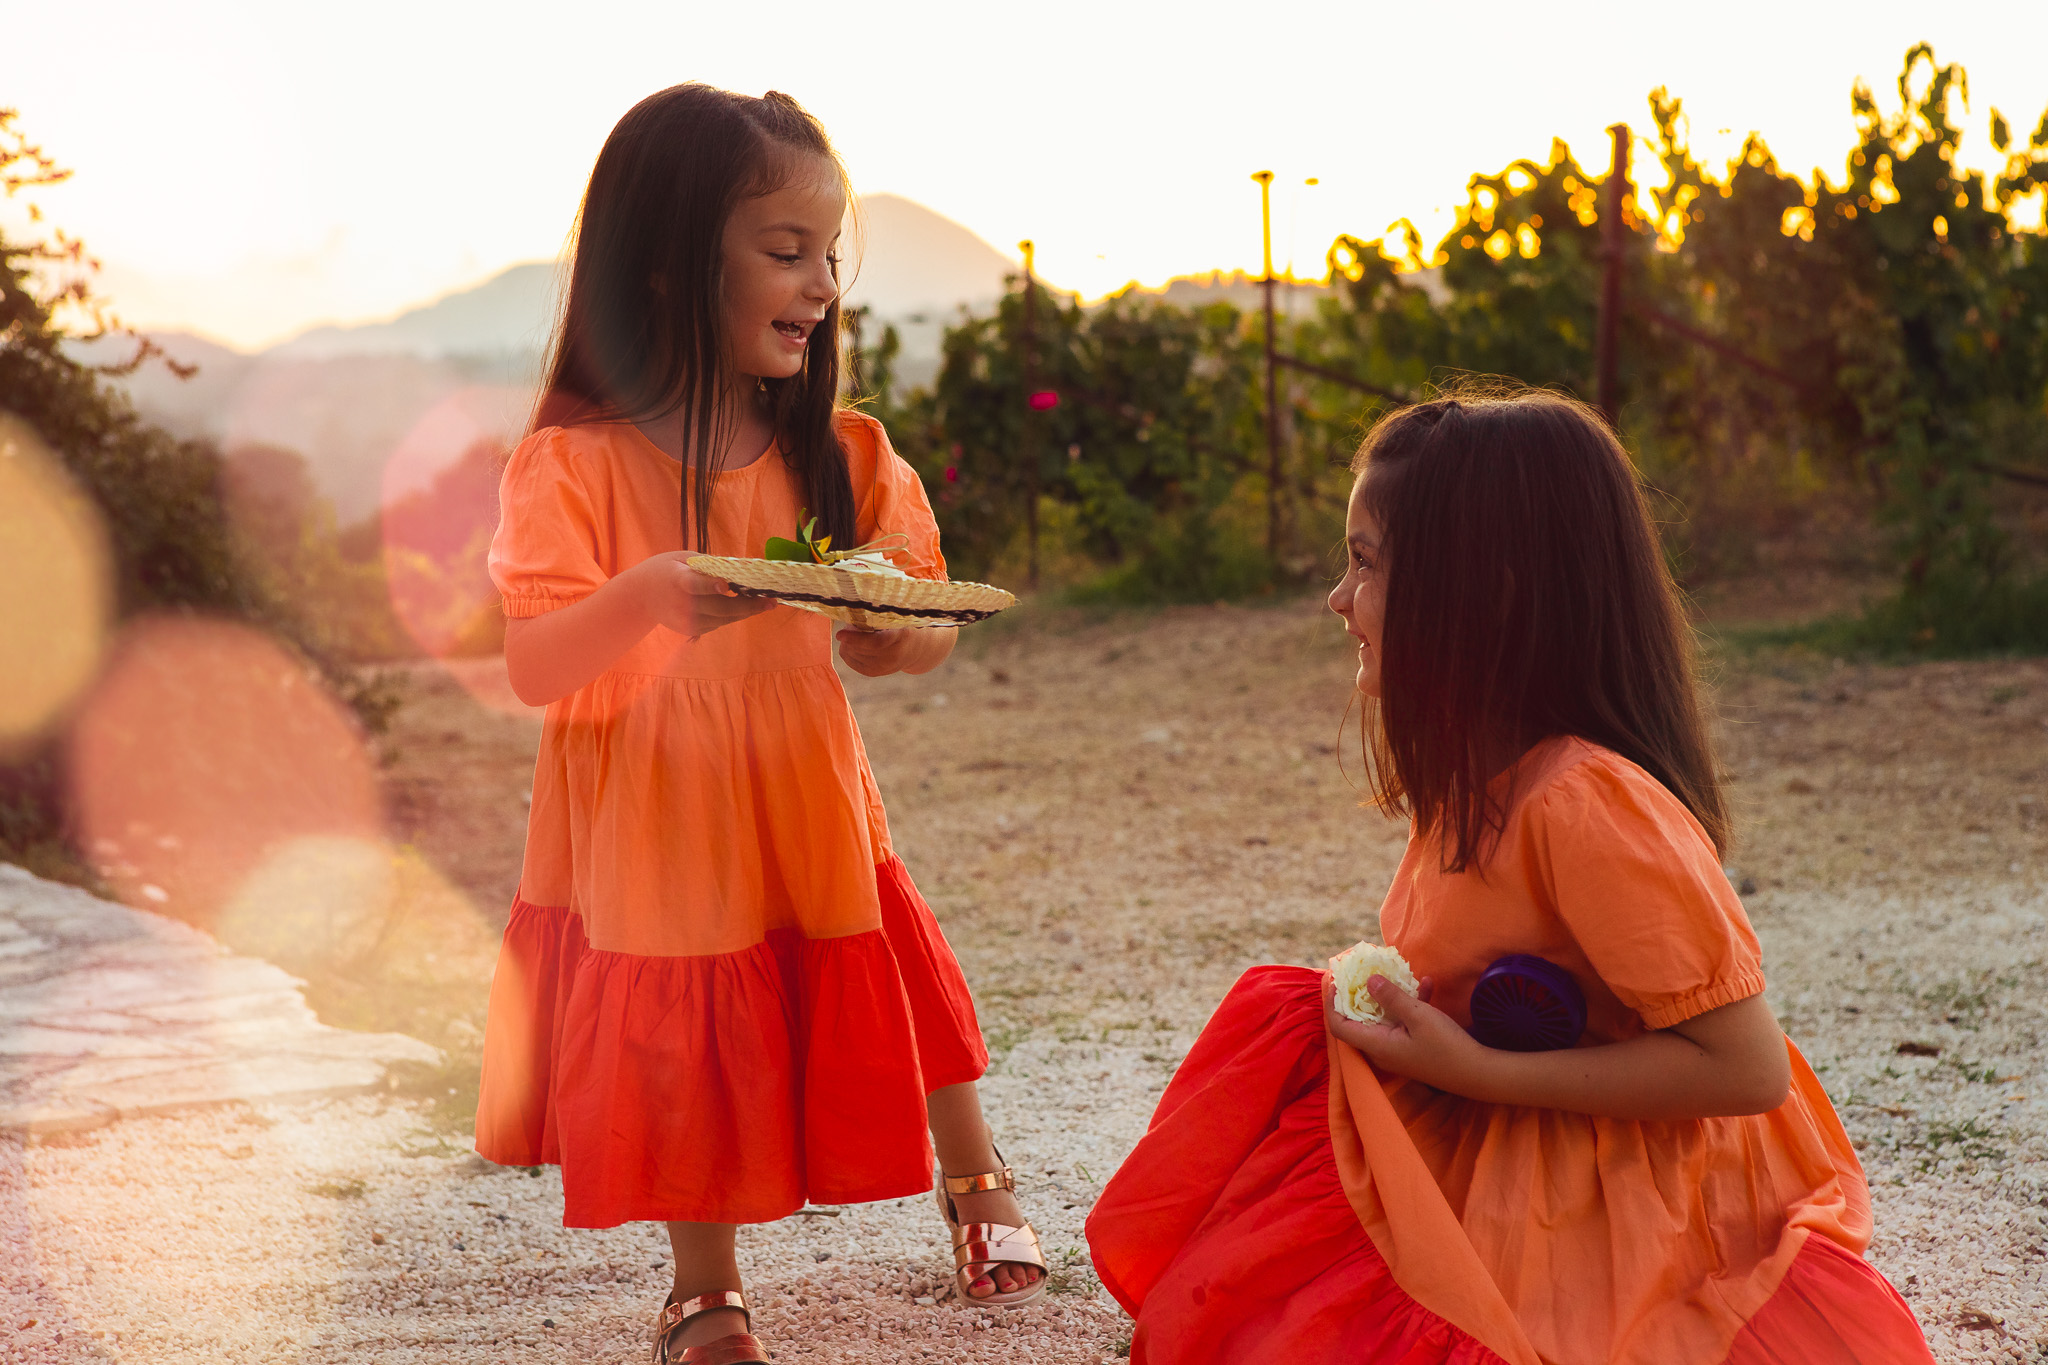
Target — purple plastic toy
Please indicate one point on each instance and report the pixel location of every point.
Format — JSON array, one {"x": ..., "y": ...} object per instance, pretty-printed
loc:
[{"x": 1525, "y": 1004}]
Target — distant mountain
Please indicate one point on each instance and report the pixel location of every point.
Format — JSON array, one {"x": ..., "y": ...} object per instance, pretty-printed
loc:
[
  {"x": 909, "y": 261},
  {"x": 360, "y": 401},
  {"x": 186, "y": 407},
  {"x": 510, "y": 312},
  {"x": 903, "y": 260},
  {"x": 348, "y": 415}
]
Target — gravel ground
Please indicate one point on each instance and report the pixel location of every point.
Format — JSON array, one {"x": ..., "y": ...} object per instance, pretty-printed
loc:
[
  {"x": 333, "y": 1233},
  {"x": 1113, "y": 819}
]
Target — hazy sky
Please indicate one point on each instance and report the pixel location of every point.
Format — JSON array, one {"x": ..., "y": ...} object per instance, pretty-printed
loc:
[{"x": 247, "y": 170}]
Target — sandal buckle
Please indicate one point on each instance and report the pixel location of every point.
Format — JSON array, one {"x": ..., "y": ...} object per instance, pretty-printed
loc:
[{"x": 979, "y": 1184}]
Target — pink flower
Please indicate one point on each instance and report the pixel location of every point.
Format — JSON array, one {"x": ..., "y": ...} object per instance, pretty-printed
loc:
[
  {"x": 1044, "y": 400},
  {"x": 952, "y": 474}
]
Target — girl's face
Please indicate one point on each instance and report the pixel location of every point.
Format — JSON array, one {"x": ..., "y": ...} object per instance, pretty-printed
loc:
[
  {"x": 1360, "y": 597},
  {"x": 781, "y": 256}
]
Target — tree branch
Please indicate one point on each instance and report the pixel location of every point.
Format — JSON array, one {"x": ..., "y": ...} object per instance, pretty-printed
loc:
[
  {"x": 1338, "y": 377},
  {"x": 2032, "y": 478},
  {"x": 1715, "y": 344}
]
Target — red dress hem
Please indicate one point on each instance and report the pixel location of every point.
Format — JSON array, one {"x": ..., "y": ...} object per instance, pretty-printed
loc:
[{"x": 725, "y": 1088}]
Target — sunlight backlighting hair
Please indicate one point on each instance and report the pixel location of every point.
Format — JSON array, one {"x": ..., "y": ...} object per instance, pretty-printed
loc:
[{"x": 1527, "y": 597}]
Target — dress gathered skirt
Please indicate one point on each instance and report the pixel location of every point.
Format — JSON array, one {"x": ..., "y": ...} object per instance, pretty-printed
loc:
[
  {"x": 1229, "y": 1236},
  {"x": 1289, "y": 1203},
  {"x": 719, "y": 994},
  {"x": 729, "y": 1088}
]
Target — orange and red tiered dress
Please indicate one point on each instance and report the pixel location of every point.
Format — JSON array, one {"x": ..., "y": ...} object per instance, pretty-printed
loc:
[
  {"x": 719, "y": 995},
  {"x": 1289, "y": 1203}
]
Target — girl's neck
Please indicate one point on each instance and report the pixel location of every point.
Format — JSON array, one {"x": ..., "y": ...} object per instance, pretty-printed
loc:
[{"x": 744, "y": 424}]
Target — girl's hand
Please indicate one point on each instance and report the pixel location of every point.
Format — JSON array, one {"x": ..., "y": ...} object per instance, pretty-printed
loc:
[
  {"x": 689, "y": 603},
  {"x": 1416, "y": 1039},
  {"x": 551, "y": 655},
  {"x": 874, "y": 653}
]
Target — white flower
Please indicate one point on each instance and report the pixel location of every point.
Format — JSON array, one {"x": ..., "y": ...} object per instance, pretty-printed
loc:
[
  {"x": 874, "y": 562},
  {"x": 1357, "y": 965}
]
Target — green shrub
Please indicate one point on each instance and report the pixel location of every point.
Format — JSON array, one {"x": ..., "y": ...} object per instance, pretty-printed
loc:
[{"x": 173, "y": 545}]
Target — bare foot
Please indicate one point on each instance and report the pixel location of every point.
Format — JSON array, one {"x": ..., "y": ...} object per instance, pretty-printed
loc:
[{"x": 995, "y": 1206}]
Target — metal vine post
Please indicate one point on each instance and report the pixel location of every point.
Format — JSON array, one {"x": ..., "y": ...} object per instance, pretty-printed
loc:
[
  {"x": 1613, "y": 244},
  {"x": 1030, "y": 420},
  {"x": 1265, "y": 179}
]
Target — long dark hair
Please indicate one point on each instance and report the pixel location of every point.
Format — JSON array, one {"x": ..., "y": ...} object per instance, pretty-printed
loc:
[
  {"x": 641, "y": 335},
  {"x": 1526, "y": 598}
]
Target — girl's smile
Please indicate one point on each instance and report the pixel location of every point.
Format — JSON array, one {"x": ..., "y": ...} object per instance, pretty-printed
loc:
[
  {"x": 782, "y": 269},
  {"x": 1360, "y": 597}
]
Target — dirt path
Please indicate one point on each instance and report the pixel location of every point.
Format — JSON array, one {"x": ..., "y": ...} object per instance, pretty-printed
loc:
[{"x": 1113, "y": 819}]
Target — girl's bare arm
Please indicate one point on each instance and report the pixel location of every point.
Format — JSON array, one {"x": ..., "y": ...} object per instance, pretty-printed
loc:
[
  {"x": 1727, "y": 1061},
  {"x": 551, "y": 655}
]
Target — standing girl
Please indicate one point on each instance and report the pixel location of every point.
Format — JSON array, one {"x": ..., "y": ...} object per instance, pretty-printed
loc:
[
  {"x": 1675, "y": 1189},
  {"x": 719, "y": 994}
]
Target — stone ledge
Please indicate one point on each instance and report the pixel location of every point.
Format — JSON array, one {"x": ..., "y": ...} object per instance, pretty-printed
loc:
[{"x": 110, "y": 1012}]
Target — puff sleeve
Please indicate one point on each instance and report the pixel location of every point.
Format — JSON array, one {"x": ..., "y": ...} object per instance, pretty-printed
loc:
[
  {"x": 545, "y": 554},
  {"x": 890, "y": 496},
  {"x": 1639, "y": 885}
]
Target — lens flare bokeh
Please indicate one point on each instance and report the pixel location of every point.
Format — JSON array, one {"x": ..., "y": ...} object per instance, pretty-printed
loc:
[
  {"x": 205, "y": 749},
  {"x": 58, "y": 601},
  {"x": 440, "y": 508}
]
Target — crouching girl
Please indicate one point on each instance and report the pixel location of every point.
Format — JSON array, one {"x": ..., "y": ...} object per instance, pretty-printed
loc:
[{"x": 1672, "y": 1189}]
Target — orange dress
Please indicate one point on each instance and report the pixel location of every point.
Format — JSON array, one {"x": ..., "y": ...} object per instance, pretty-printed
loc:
[
  {"x": 1290, "y": 1203},
  {"x": 719, "y": 994}
]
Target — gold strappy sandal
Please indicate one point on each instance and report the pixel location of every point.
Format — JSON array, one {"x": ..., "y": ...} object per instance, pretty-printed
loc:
[
  {"x": 980, "y": 1247},
  {"x": 736, "y": 1348}
]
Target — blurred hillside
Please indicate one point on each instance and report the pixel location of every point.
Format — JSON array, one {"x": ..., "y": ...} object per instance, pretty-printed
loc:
[{"x": 345, "y": 397}]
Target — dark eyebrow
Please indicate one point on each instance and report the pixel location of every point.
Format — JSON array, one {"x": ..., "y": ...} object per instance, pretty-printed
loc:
[
  {"x": 1363, "y": 542},
  {"x": 797, "y": 228}
]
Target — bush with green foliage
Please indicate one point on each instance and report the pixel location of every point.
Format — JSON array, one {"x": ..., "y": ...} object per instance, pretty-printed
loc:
[
  {"x": 1884, "y": 338},
  {"x": 1876, "y": 357},
  {"x": 160, "y": 498},
  {"x": 1150, "y": 446}
]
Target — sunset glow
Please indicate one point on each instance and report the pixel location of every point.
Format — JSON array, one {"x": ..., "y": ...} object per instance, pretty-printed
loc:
[{"x": 247, "y": 178}]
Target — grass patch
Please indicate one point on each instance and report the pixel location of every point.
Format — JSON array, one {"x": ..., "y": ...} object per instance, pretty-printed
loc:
[
  {"x": 1188, "y": 557},
  {"x": 1068, "y": 1271},
  {"x": 1962, "y": 1003},
  {"x": 1938, "y": 621},
  {"x": 446, "y": 1092},
  {"x": 1002, "y": 1040},
  {"x": 1971, "y": 1138}
]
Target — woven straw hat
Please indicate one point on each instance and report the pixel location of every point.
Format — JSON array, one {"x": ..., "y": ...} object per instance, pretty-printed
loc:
[{"x": 874, "y": 601}]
